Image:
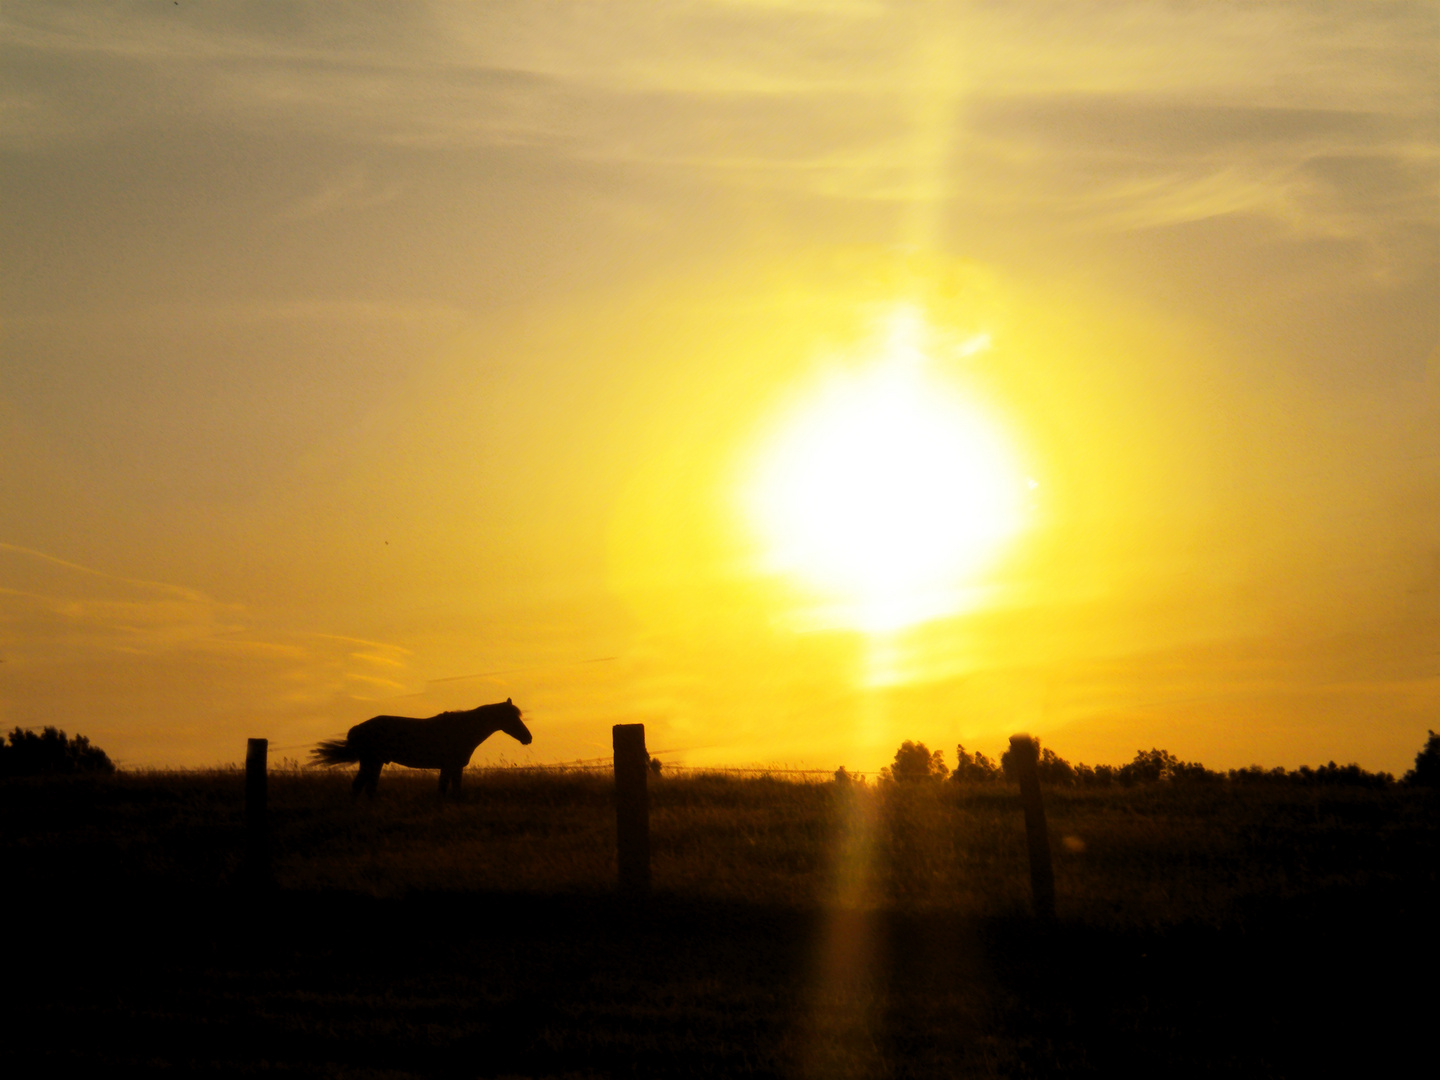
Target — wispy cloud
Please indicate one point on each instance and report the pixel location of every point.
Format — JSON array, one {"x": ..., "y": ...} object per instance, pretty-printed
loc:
[
  {"x": 1134, "y": 161},
  {"x": 464, "y": 67},
  {"x": 144, "y": 648},
  {"x": 49, "y": 603},
  {"x": 157, "y": 586},
  {"x": 1116, "y": 116},
  {"x": 351, "y": 191}
]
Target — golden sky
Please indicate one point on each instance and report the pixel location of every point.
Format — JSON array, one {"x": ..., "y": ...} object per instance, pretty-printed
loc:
[{"x": 392, "y": 358}]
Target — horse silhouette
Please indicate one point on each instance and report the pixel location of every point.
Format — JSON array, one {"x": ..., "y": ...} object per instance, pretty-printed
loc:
[{"x": 443, "y": 742}]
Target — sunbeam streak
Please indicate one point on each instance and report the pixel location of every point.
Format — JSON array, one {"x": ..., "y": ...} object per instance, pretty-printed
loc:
[{"x": 841, "y": 1017}]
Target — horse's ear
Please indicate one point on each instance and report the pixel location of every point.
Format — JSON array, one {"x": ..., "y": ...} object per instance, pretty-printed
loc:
[{"x": 509, "y": 702}]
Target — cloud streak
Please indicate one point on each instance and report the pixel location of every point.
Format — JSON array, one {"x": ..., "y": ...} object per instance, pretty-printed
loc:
[
  {"x": 130, "y": 654},
  {"x": 1120, "y": 117}
]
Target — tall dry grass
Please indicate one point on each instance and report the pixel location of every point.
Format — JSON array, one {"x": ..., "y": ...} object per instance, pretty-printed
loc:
[{"x": 1147, "y": 856}]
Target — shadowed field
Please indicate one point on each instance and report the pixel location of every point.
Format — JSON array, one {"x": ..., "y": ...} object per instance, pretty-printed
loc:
[{"x": 796, "y": 929}]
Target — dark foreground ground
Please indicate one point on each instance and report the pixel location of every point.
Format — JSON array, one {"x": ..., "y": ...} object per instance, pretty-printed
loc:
[{"x": 142, "y": 949}]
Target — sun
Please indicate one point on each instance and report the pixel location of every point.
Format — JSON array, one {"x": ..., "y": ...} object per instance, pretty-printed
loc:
[{"x": 885, "y": 490}]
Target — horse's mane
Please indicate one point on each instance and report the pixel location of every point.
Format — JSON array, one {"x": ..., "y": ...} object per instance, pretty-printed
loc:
[{"x": 482, "y": 708}]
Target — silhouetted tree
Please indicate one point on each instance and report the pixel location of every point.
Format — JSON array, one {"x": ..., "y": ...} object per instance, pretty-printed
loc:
[
  {"x": 1096, "y": 776},
  {"x": 1426, "y": 772},
  {"x": 974, "y": 768},
  {"x": 1256, "y": 774},
  {"x": 1054, "y": 770},
  {"x": 1148, "y": 767},
  {"x": 1192, "y": 772},
  {"x": 29, "y": 754},
  {"x": 1332, "y": 775},
  {"x": 914, "y": 761}
]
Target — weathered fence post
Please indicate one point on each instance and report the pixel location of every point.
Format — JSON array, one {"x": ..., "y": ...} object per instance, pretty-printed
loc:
[
  {"x": 632, "y": 808},
  {"x": 1025, "y": 753},
  {"x": 257, "y": 827}
]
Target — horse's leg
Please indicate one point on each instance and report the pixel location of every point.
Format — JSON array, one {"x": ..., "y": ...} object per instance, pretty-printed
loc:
[
  {"x": 450, "y": 778},
  {"x": 367, "y": 777}
]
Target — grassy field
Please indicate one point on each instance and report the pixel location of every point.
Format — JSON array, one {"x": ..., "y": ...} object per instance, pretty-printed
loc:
[{"x": 796, "y": 929}]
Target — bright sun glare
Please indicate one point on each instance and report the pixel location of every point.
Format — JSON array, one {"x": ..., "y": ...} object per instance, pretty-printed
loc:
[{"x": 887, "y": 491}]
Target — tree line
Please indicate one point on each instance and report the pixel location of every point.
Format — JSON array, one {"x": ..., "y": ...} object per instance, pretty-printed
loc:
[
  {"x": 50, "y": 753},
  {"x": 916, "y": 762}
]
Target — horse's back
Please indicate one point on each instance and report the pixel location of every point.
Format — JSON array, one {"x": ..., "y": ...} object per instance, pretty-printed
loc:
[
  {"x": 406, "y": 740},
  {"x": 381, "y": 725}
]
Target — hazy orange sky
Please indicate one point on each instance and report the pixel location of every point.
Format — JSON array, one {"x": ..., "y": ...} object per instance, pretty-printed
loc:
[{"x": 390, "y": 358}]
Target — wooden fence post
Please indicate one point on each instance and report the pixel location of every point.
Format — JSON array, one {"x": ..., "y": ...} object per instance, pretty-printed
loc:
[
  {"x": 632, "y": 808},
  {"x": 257, "y": 827},
  {"x": 1025, "y": 753}
]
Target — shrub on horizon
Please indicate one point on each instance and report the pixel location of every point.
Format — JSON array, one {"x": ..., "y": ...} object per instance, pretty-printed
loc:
[
  {"x": 50, "y": 752},
  {"x": 1054, "y": 770},
  {"x": 1258, "y": 774},
  {"x": 1096, "y": 776},
  {"x": 974, "y": 768},
  {"x": 1148, "y": 767},
  {"x": 1192, "y": 772},
  {"x": 1426, "y": 772},
  {"x": 1152, "y": 766},
  {"x": 1332, "y": 775},
  {"x": 914, "y": 762}
]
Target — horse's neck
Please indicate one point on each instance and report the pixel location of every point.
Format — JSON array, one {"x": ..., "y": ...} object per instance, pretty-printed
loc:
[{"x": 479, "y": 726}]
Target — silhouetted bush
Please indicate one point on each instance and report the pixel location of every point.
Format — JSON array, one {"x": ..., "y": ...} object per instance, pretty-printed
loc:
[
  {"x": 1256, "y": 774},
  {"x": 1329, "y": 775},
  {"x": 914, "y": 761},
  {"x": 1426, "y": 772},
  {"x": 50, "y": 752},
  {"x": 1153, "y": 766},
  {"x": 1192, "y": 772},
  {"x": 974, "y": 768},
  {"x": 1332, "y": 775},
  {"x": 1148, "y": 767},
  {"x": 1054, "y": 770},
  {"x": 1096, "y": 776}
]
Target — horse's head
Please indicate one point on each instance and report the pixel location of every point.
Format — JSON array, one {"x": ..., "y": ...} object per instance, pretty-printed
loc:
[{"x": 512, "y": 725}]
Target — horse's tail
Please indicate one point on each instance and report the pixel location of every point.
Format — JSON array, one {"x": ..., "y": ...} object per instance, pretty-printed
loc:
[{"x": 334, "y": 752}]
